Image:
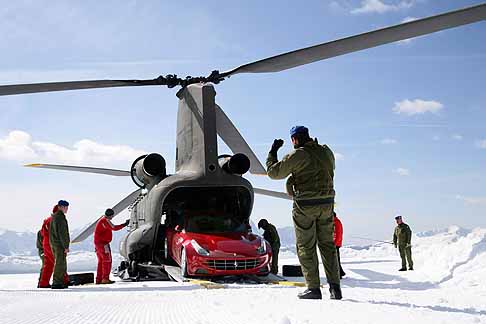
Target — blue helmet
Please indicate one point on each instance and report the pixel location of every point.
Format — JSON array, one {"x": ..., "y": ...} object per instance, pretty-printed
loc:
[
  {"x": 63, "y": 203},
  {"x": 299, "y": 130}
]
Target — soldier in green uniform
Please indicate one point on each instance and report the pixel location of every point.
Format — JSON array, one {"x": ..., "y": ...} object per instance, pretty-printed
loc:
[
  {"x": 40, "y": 249},
  {"x": 59, "y": 241},
  {"x": 402, "y": 239},
  {"x": 311, "y": 184},
  {"x": 270, "y": 234}
]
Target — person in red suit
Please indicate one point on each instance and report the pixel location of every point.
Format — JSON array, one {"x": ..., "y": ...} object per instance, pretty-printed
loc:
[
  {"x": 102, "y": 238},
  {"x": 48, "y": 266},
  {"x": 338, "y": 241}
]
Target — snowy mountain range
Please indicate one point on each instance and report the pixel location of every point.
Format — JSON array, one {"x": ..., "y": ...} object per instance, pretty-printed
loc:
[{"x": 24, "y": 243}]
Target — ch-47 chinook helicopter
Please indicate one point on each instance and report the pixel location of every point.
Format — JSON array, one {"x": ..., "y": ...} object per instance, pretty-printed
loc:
[{"x": 205, "y": 180}]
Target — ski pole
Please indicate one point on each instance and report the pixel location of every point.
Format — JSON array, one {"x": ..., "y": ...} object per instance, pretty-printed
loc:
[{"x": 368, "y": 239}]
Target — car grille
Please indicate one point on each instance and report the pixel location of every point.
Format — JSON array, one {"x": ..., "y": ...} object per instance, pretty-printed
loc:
[{"x": 235, "y": 264}]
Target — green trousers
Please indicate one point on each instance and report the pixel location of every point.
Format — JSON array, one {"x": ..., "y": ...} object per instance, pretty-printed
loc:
[
  {"x": 275, "y": 251},
  {"x": 314, "y": 226},
  {"x": 60, "y": 265},
  {"x": 406, "y": 255}
]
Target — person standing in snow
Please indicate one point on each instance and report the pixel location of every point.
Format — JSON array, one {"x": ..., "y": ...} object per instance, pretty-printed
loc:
[
  {"x": 59, "y": 243},
  {"x": 311, "y": 185},
  {"x": 102, "y": 238},
  {"x": 270, "y": 234},
  {"x": 338, "y": 241},
  {"x": 40, "y": 249},
  {"x": 402, "y": 238}
]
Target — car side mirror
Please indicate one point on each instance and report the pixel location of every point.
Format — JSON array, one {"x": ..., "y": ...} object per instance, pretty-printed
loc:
[{"x": 178, "y": 228}]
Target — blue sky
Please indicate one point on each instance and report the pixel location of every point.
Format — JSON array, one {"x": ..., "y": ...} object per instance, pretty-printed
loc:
[{"x": 405, "y": 119}]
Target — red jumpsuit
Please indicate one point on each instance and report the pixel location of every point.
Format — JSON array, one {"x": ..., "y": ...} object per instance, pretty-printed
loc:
[
  {"x": 338, "y": 241},
  {"x": 102, "y": 239},
  {"x": 48, "y": 256},
  {"x": 338, "y": 232}
]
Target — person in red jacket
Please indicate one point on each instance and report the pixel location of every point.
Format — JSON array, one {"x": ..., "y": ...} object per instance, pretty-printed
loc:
[
  {"x": 102, "y": 239},
  {"x": 338, "y": 241},
  {"x": 48, "y": 265}
]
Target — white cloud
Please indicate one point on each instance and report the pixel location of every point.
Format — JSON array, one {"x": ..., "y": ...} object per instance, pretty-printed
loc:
[
  {"x": 417, "y": 106},
  {"x": 338, "y": 156},
  {"x": 379, "y": 6},
  {"x": 19, "y": 146},
  {"x": 402, "y": 171},
  {"x": 388, "y": 141},
  {"x": 457, "y": 137},
  {"x": 481, "y": 144},
  {"x": 472, "y": 200}
]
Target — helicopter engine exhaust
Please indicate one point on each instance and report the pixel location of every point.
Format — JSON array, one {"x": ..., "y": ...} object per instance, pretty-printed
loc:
[
  {"x": 237, "y": 164},
  {"x": 147, "y": 167}
]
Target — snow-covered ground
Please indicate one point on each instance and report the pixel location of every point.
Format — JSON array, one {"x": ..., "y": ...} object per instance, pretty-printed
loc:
[{"x": 448, "y": 286}]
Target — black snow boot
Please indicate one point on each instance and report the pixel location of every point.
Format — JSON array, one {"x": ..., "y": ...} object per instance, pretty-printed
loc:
[
  {"x": 312, "y": 293},
  {"x": 335, "y": 291},
  {"x": 402, "y": 269},
  {"x": 411, "y": 268},
  {"x": 57, "y": 286}
]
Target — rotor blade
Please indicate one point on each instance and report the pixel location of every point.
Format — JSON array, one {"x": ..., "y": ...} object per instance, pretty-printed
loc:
[
  {"x": 118, "y": 208},
  {"x": 271, "y": 193},
  {"x": 363, "y": 41},
  {"x": 232, "y": 137},
  {"x": 112, "y": 172},
  {"x": 15, "y": 89}
]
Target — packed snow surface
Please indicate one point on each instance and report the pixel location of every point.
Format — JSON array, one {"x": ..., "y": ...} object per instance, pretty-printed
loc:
[{"x": 448, "y": 286}]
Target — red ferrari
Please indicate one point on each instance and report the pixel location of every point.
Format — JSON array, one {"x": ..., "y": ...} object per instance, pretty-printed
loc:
[{"x": 216, "y": 245}]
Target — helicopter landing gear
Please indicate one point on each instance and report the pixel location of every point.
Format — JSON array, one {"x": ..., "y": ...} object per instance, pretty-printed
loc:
[{"x": 133, "y": 270}]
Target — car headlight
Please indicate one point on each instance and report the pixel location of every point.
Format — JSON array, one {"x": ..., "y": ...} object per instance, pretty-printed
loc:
[
  {"x": 199, "y": 249},
  {"x": 262, "y": 249}
]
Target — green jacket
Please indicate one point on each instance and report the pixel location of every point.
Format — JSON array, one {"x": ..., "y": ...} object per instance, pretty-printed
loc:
[
  {"x": 311, "y": 168},
  {"x": 402, "y": 235},
  {"x": 39, "y": 243},
  {"x": 59, "y": 231},
  {"x": 271, "y": 235}
]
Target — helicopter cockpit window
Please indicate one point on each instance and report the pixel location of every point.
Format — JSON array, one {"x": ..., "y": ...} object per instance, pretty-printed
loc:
[{"x": 209, "y": 210}]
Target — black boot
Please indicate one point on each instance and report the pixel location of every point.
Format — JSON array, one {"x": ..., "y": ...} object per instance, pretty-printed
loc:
[
  {"x": 58, "y": 286},
  {"x": 402, "y": 269},
  {"x": 410, "y": 268},
  {"x": 312, "y": 293},
  {"x": 335, "y": 291}
]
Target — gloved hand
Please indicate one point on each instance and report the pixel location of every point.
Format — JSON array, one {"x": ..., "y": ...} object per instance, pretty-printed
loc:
[
  {"x": 395, "y": 246},
  {"x": 277, "y": 144},
  {"x": 127, "y": 222},
  {"x": 408, "y": 245}
]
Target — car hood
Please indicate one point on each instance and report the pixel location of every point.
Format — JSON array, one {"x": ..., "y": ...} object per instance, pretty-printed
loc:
[{"x": 234, "y": 244}]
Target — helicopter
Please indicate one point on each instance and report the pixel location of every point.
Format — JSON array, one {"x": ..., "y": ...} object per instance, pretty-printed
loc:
[{"x": 206, "y": 182}]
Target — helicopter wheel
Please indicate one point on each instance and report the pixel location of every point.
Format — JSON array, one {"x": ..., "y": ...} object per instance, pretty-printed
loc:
[
  {"x": 133, "y": 269},
  {"x": 184, "y": 264}
]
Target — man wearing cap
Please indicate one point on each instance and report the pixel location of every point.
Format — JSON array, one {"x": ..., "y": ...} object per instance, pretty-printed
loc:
[
  {"x": 102, "y": 238},
  {"x": 311, "y": 170},
  {"x": 270, "y": 234},
  {"x": 402, "y": 238},
  {"x": 59, "y": 243}
]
